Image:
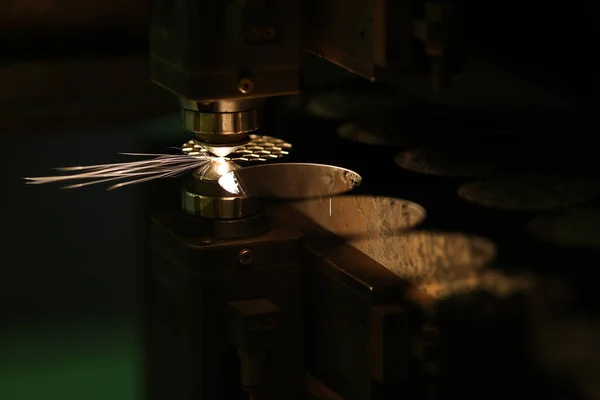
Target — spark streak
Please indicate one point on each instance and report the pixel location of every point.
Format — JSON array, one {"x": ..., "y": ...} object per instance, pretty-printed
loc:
[{"x": 158, "y": 166}]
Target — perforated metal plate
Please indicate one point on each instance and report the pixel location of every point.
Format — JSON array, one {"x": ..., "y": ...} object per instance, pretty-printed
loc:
[{"x": 259, "y": 149}]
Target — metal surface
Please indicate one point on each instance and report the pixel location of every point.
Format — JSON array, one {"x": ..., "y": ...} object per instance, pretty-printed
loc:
[
  {"x": 212, "y": 229},
  {"x": 258, "y": 149},
  {"x": 430, "y": 259},
  {"x": 364, "y": 37},
  {"x": 252, "y": 328},
  {"x": 220, "y": 127},
  {"x": 356, "y": 219},
  {"x": 346, "y": 291},
  {"x": 381, "y": 229},
  {"x": 208, "y": 51},
  {"x": 220, "y": 121},
  {"x": 415, "y": 301},
  {"x": 208, "y": 200},
  {"x": 221, "y": 106},
  {"x": 576, "y": 227},
  {"x": 531, "y": 191},
  {"x": 291, "y": 181},
  {"x": 449, "y": 162}
]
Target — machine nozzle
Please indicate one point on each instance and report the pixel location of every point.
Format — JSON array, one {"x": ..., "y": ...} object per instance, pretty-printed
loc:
[{"x": 222, "y": 121}]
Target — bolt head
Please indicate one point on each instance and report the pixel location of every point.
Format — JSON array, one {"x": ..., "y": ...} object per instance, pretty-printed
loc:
[
  {"x": 245, "y": 257},
  {"x": 245, "y": 85}
]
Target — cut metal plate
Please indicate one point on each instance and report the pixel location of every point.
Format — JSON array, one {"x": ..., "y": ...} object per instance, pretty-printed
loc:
[
  {"x": 530, "y": 191},
  {"x": 290, "y": 181},
  {"x": 576, "y": 227},
  {"x": 447, "y": 162},
  {"x": 258, "y": 149}
]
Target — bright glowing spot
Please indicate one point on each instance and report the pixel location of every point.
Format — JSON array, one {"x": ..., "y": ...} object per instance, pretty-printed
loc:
[
  {"x": 221, "y": 166},
  {"x": 220, "y": 151},
  {"x": 230, "y": 183}
]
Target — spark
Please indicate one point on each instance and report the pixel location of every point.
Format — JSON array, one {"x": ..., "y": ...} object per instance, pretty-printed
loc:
[{"x": 157, "y": 167}]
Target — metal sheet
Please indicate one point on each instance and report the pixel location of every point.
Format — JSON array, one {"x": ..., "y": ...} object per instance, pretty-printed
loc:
[{"x": 290, "y": 181}]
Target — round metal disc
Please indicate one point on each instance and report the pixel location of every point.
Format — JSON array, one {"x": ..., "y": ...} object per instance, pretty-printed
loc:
[
  {"x": 530, "y": 192},
  {"x": 578, "y": 227},
  {"x": 290, "y": 181},
  {"x": 353, "y": 218},
  {"x": 435, "y": 257},
  {"x": 258, "y": 149},
  {"x": 447, "y": 163}
]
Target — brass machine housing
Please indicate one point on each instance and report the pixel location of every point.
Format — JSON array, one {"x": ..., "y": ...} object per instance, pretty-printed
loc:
[{"x": 233, "y": 312}]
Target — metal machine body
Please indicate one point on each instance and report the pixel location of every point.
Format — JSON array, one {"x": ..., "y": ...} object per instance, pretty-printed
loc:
[{"x": 224, "y": 58}]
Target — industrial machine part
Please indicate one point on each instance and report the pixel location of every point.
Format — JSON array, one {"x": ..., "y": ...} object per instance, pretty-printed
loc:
[
  {"x": 228, "y": 288},
  {"x": 290, "y": 181},
  {"x": 224, "y": 58},
  {"x": 224, "y": 315}
]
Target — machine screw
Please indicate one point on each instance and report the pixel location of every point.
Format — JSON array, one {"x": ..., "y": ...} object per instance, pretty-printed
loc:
[
  {"x": 245, "y": 257},
  {"x": 245, "y": 85}
]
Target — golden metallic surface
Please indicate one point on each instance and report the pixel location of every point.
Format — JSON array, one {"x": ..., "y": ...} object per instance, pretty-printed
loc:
[
  {"x": 362, "y": 218},
  {"x": 530, "y": 192},
  {"x": 218, "y": 207},
  {"x": 259, "y": 149},
  {"x": 292, "y": 181},
  {"x": 429, "y": 259},
  {"x": 220, "y": 123},
  {"x": 437, "y": 263}
]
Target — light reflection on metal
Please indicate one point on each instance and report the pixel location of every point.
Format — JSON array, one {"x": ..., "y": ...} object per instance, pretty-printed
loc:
[
  {"x": 437, "y": 263},
  {"x": 432, "y": 260},
  {"x": 291, "y": 181},
  {"x": 258, "y": 149},
  {"x": 355, "y": 218}
]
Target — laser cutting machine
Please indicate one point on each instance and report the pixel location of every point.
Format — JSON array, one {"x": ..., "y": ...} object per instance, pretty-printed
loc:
[
  {"x": 239, "y": 302},
  {"x": 243, "y": 302}
]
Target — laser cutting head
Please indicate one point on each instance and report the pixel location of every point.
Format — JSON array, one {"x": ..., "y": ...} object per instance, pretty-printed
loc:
[
  {"x": 205, "y": 197},
  {"x": 221, "y": 122}
]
